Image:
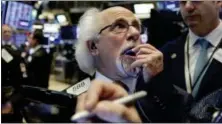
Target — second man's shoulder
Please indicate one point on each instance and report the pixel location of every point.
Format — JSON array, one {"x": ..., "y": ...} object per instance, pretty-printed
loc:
[{"x": 174, "y": 45}]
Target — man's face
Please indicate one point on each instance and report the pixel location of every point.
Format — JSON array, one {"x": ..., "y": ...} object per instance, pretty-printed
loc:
[
  {"x": 115, "y": 39},
  {"x": 31, "y": 40},
  {"x": 6, "y": 33},
  {"x": 199, "y": 15}
]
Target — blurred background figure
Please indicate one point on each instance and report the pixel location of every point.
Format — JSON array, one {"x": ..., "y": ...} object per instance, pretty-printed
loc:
[
  {"x": 7, "y": 33},
  {"x": 38, "y": 61},
  {"x": 12, "y": 76}
]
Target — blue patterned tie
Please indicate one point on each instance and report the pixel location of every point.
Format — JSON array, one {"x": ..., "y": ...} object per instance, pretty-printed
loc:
[{"x": 202, "y": 58}]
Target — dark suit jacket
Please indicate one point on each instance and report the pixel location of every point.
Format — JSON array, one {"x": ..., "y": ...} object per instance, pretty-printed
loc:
[
  {"x": 164, "y": 102},
  {"x": 11, "y": 80},
  {"x": 174, "y": 69},
  {"x": 39, "y": 68},
  {"x": 11, "y": 73}
]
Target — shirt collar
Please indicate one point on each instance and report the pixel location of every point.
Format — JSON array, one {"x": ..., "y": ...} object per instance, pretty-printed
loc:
[
  {"x": 213, "y": 37},
  {"x": 100, "y": 76},
  {"x": 6, "y": 42},
  {"x": 33, "y": 50}
]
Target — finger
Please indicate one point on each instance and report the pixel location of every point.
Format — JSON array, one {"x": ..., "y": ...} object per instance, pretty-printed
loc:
[
  {"x": 100, "y": 89},
  {"x": 136, "y": 49},
  {"x": 81, "y": 102},
  {"x": 141, "y": 57},
  {"x": 145, "y": 51},
  {"x": 81, "y": 107},
  {"x": 114, "y": 112},
  {"x": 139, "y": 63}
]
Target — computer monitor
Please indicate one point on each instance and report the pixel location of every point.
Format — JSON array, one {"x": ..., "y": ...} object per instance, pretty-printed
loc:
[
  {"x": 19, "y": 15},
  {"x": 20, "y": 38}
]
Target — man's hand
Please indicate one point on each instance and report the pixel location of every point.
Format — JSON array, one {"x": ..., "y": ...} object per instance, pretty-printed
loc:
[
  {"x": 149, "y": 58},
  {"x": 98, "y": 99}
]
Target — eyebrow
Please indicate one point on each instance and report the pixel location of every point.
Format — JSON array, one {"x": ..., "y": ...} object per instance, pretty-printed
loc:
[
  {"x": 136, "y": 22},
  {"x": 133, "y": 22}
]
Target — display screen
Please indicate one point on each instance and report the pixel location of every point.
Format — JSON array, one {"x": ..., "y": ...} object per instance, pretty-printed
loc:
[
  {"x": 51, "y": 28},
  {"x": 171, "y": 5},
  {"x": 20, "y": 38},
  {"x": 19, "y": 15},
  {"x": 3, "y": 10}
]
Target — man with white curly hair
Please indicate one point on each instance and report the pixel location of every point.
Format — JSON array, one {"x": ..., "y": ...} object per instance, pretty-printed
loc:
[
  {"x": 104, "y": 37},
  {"x": 110, "y": 47}
]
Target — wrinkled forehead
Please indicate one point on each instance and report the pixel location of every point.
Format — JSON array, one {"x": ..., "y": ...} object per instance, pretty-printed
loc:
[{"x": 110, "y": 15}]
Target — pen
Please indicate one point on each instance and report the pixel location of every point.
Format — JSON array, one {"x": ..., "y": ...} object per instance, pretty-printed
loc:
[{"x": 123, "y": 100}]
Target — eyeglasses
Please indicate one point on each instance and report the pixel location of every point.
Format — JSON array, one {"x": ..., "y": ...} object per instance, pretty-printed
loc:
[{"x": 122, "y": 26}]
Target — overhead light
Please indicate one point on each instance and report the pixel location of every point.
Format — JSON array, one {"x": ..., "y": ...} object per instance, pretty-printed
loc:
[
  {"x": 61, "y": 18},
  {"x": 142, "y": 11},
  {"x": 39, "y": 2},
  {"x": 50, "y": 16},
  {"x": 37, "y": 27},
  {"x": 143, "y": 8},
  {"x": 51, "y": 28},
  {"x": 171, "y": 6},
  {"x": 51, "y": 38},
  {"x": 41, "y": 16}
]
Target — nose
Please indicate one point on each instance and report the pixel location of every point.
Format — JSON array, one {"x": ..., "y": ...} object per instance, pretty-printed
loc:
[
  {"x": 189, "y": 6},
  {"x": 133, "y": 34}
]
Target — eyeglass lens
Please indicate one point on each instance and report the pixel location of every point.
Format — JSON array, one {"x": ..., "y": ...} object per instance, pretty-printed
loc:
[{"x": 122, "y": 26}]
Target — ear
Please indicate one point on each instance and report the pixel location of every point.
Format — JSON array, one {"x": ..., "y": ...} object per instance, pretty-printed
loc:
[{"x": 92, "y": 48}]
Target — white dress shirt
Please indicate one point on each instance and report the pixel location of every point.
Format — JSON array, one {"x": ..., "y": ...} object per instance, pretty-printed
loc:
[
  {"x": 213, "y": 37},
  {"x": 33, "y": 50},
  {"x": 129, "y": 82},
  {"x": 6, "y": 42}
]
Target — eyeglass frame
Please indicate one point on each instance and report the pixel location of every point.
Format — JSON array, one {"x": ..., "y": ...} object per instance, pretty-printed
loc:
[{"x": 128, "y": 26}]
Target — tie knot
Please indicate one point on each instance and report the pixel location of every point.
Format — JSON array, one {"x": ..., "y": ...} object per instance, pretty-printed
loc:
[{"x": 203, "y": 43}]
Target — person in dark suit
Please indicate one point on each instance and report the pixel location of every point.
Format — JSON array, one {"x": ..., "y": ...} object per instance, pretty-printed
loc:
[
  {"x": 38, "y": 61},
  {"x": 193, "y": 62},
  {"x": 13, "y": 70}
]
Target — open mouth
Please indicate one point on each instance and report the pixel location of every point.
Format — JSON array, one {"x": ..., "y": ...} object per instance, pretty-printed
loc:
[
  {"x": 128, "y": 51},
  {"x": 127, "y": 58}
]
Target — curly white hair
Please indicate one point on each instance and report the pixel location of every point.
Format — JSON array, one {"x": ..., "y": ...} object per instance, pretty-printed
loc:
[{"x": 88, "y": 29}]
